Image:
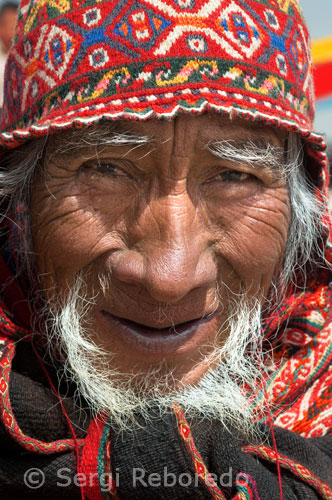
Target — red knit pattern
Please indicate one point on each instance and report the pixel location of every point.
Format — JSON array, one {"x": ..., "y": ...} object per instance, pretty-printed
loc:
[{"x": 76, "y": 62}]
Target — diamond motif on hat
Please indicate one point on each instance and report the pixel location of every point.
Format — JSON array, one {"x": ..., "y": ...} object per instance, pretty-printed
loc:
[
  {"x": 282, "y": 64},
  {"x": 98, "y": 58},
  {"x": 272, "y": 19},
  {"x": 27, "y": 48},
  {"x": 58, "y": 51},
  {"x": 299, "y": 56},
  {"x": 197, "y": 43},
  {"x": 141, "y": 26},
  {"x": 92, "y": 17},
  {"x": 13, "y": 85},
  {"x": 240, "y": 30},
  {"x": 34, "y": 89}
]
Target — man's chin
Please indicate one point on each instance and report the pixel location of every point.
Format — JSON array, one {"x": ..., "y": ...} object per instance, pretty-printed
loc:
[
  {"x": 163, "y": 377},
  {"x": 211, "y": 394}
]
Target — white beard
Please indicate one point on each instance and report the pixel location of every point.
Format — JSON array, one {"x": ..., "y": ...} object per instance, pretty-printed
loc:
[{"x": 218, "y": 395}]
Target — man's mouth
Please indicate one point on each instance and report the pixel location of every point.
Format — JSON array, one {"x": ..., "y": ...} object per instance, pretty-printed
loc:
[{"x": 153, "y": 338}]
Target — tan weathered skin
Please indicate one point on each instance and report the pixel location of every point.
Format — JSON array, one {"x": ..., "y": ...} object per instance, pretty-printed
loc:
[{"x": 167, "y": 223}]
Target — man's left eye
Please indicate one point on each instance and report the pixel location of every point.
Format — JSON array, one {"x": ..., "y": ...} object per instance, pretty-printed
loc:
[
  {"x": 110, "y": 168},
  {"x": 234, "y": 176},
  {"x": 105, "y": 167}
]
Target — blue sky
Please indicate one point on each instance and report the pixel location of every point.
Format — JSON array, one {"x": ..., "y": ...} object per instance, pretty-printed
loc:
[{"x": 318, "y": 14}]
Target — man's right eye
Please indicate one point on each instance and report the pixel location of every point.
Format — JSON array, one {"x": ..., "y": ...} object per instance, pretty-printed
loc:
[
  {"x": 105, "y": 167},
  {"x": 234, "y": 176}
]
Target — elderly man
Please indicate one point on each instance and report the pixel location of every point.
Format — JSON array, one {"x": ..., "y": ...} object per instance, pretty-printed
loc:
[{"x": 165, "y": 255}]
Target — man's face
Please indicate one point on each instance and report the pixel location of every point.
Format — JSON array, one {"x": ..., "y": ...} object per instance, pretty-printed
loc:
[{"x": 166, "y": 231}]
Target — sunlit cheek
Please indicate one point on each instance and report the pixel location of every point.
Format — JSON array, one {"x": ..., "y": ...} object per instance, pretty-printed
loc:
[
  {"x": 70, "y": 230},
  {"x": 251, "y": 237}
]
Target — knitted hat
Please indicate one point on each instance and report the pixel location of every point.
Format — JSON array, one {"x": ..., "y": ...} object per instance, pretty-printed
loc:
[{"x": 75, "y": 62}]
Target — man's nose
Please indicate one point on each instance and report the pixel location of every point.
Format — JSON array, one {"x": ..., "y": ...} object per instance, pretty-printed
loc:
[{"x": 171, "y": 255}]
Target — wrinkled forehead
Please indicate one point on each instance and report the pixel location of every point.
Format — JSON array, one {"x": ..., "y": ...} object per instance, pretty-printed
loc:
[{"x": 198, "y": 130}]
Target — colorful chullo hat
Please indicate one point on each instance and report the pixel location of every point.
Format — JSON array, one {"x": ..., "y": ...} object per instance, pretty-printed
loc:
[{"x": 76, "y": 62}]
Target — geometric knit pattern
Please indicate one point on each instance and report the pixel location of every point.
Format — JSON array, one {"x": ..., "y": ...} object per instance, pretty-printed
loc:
[
  {"x": 301, "y": 386},
  {"x": 77, "y": 62}
]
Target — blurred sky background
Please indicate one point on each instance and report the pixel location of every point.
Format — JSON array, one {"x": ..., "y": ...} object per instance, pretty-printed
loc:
[{"x": 318, "y": 14}]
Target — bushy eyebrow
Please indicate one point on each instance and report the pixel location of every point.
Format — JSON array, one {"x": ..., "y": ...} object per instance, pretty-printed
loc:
[
  {"x": 255, "y": 153},
  {"x": 97, "y": 137}
]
